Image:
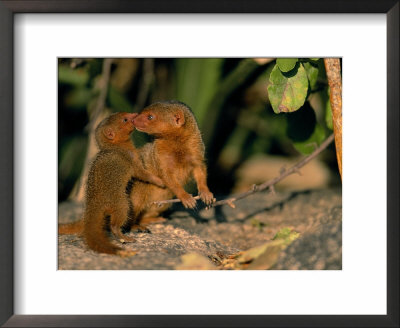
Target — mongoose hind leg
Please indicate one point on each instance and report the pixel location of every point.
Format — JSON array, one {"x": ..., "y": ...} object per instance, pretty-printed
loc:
[
  {"x": 123, "y": 238},
  {"x": 153, "y": 214},
  {"x": 140, "y": 228},
  {"x": 117, "y": 220},
  {"x": 152, "y": 220}
]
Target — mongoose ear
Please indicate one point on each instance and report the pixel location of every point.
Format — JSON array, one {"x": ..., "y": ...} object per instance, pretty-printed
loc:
[
  {"x": 109, "y": 133},
  {"x": 179, "y": 118}
]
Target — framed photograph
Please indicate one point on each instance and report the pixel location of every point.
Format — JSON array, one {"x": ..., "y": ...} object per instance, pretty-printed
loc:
[{"x": 205, "y": 86}]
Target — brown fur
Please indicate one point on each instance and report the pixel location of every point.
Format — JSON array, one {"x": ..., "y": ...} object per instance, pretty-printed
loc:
[
  {"x": 109, "y": 185},
  {"x": 176, "y": 155},
  {"x": 71, "y": 228}
]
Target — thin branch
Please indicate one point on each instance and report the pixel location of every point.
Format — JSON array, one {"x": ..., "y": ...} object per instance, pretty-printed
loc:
[{"x": 266, "y": 185}]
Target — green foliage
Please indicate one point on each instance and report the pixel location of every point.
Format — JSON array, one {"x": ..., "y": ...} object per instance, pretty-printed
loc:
[
  {"x": 197, "y": 82},
  {"x": 301, "y": 124},
  {"x": 286, "y": 234},
  {"x": 289, "y": 88},
  {"x": 70, "y": 161},
  {"x": 226, "y": 88},
  {"x": 312, "y": 73},
  {"x": 72, "y": 153},
  {"x": 328, "y": 115},
  {"x": 78, "y": 98},
  {"x": 118, "y": 101},
  {"x": 288, "y": 91},
  {"x": 286, "y": 64},
  {"x": 75, "y": 77},
  {"x": 304, "y": 130},
  {"x": 308, "y": 146},
  {"x": 263, "y": 257},
  {"x": 94, "y": 67}
]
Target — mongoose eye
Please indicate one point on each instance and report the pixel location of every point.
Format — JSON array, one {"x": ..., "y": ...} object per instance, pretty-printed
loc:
[
  {"x": 125, "y": 120},
  {"x": 150, "y": 117}
]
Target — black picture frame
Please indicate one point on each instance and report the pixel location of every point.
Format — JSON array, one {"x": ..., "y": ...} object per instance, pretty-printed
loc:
[{"x": 7, "y": 11}]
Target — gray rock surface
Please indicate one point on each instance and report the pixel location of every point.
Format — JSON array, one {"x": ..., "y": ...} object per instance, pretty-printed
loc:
[{"x": 222, "y": 232}]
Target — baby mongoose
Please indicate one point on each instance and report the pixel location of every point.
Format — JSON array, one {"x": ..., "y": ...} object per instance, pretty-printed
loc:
[
  {"x": 175, "y": 155},
  {"x": 109, "y": 184}
]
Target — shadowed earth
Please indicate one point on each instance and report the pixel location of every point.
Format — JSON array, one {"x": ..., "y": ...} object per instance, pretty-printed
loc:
[{"x": 216, "y": 236}]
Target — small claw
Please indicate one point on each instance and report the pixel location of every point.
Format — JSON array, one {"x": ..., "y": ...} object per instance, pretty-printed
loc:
[
  {"x": 140, "y": 229},
  {"x": 207, "y": 197},
  {"x": 189, "y": 202},
  {"x": 126, "y": 239},
  {"x": 190, "y": 205}
]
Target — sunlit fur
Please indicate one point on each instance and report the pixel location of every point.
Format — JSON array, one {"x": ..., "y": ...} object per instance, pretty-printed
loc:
[
  {"x": 108, "y": 204},
  {"x": 175, "y": 155}
]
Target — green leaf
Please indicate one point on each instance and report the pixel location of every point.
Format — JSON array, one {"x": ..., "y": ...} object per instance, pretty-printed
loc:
[
  {"x": 312, "y": 73},
  {"x": 199, "y": 91},
  {"x": 118, "y": 101},
  {"x": 304, "y": 131},
  {"x": 314, "y": 59},
  {"x": 286, "y": 234},
  {"x": 328, "y": 115},
  {"x": 288, "y": 92},
  {"x": 77, "y": 77},
  {"x": 94, "y": 67},
  {"x": 71, "y": 159},
  {"x": 301, "y": 124},
  {"x": 78, "y": 98},
  {"x": 286, "y": 64},
  {"x": 308, "y": 146},
  {"x": 264, "y": 257},
  {"x": 282, "y": 234}
]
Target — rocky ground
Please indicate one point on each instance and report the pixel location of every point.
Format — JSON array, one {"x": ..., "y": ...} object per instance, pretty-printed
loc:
[{"x": 288, "y": 230}]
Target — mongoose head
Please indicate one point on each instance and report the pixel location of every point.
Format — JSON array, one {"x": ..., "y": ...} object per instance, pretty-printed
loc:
[
  {"x": 115, "y": 129},
  {"x": 166, "y": 118}
]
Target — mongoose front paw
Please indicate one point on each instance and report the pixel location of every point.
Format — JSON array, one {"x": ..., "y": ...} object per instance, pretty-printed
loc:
[
  {"x": 207, "y": 197},
  {"x": 188, "y": 201}
]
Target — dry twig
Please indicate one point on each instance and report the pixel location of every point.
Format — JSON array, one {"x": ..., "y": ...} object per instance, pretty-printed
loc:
[{"x": 266, "y": 185}]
